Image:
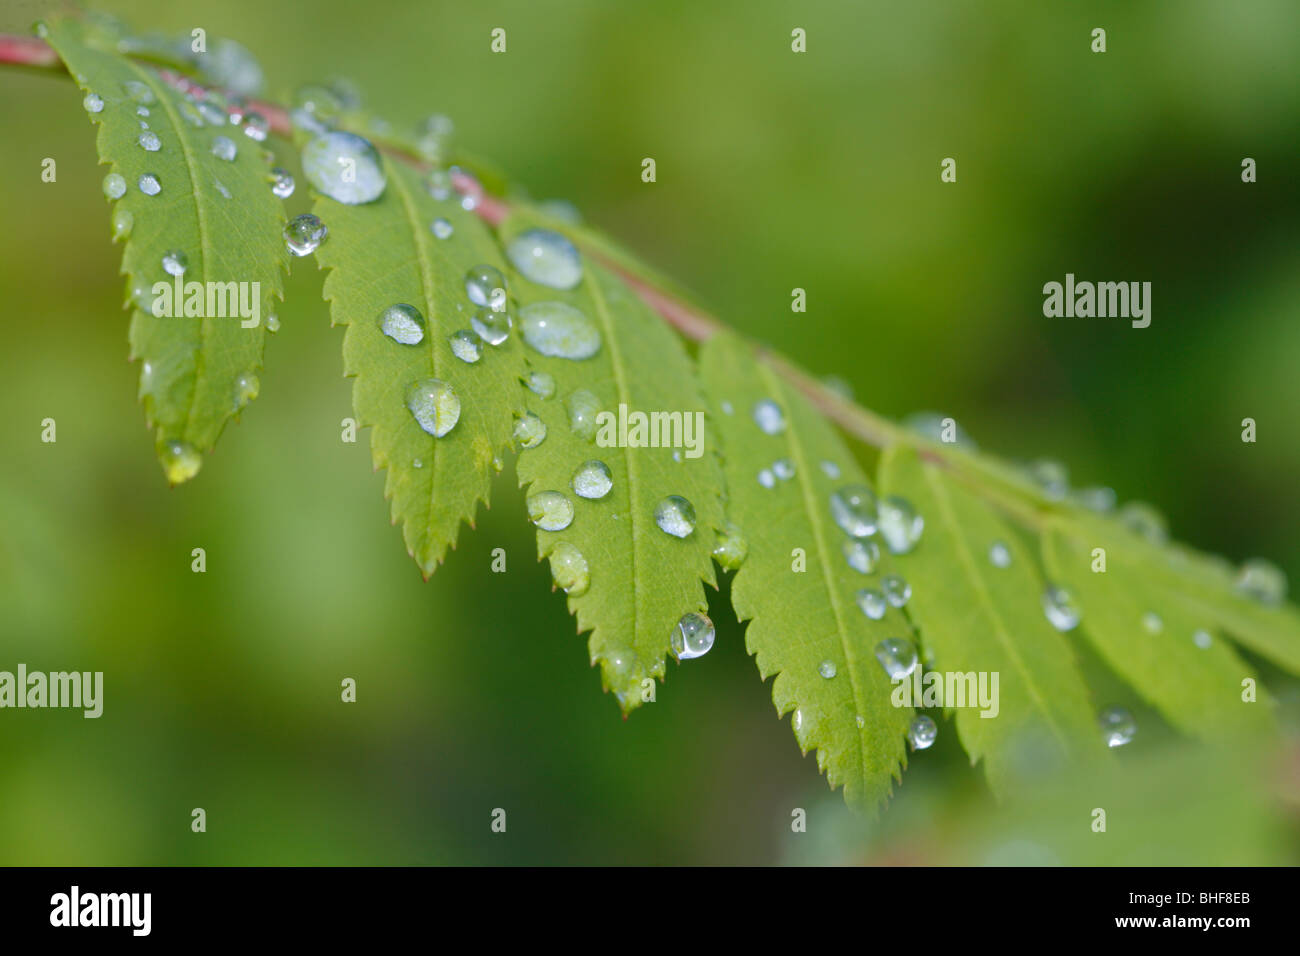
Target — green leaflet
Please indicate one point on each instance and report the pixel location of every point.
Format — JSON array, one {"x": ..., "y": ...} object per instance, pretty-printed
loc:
[
  {"x": 797, "y": 620},
  {"x": 1197, "y": 689},
  {"x": 221, "y": 215},
  {"x": 381, "y": 254},
  {"x": 977, "y": 617},
  {"x": 642, "y": 580}
]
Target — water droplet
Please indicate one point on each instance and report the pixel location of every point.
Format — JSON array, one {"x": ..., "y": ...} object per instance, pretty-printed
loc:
[
  {"x": 439, "y": 184},
  {"x": 897, "y": 656},
  {"x": 221, "y": 188},
  {"x": 403, "y": 324},
  {"x": 541, "y": 383},
  {"x": 1152, "y": 623},
  {"x": 826, "y": 669},
  {"x": 872, "y": 603},
  {"x": 569, "y": 569},
  {"x": 213, "y": 114},
  {"x": 1099, "y": 499},
  {"x": 1261, "y": 581},
  {"x": 93, "y": 102},
  {"x": 149, "y": 184},
  {"x": 139, "y": 92},
  {"x": 318, "y": 101},
  {"x": 550, "y": 510},
  {"x": 1117, "y": 726},
  {"x": 247, "y": 387},
  {"x": 175, "y": 263},
  {"x": 900, "y": 525},
  {"x": 441, "y": 228},
  {"x": 1052, "y": 477},
  {"x": 854, "y": 509},
  {"x": 303, "y": 234},
  {"x": 530, "y": 431},
  {"x": 769, "y": 417},
  {"x": 546, "y": 257},
  {"x": 861, "y": 555},
  {"x": 142, "y": 111},
  {"x": 922, "y": 732},
  {"x": 783, "y": 468},
  {"x": 486, "y": 286},
  {"x": 466, "y": 346},
  {"x": 434, "y": 405},
  {"x": 417, "y": 462},
  {"x": 223, "y": 147},
  {"x": 727, "y": 409},
  {"x": 180, "y": 461},
  {"x": 1144, "y": 521},
  {"x": 730, "y": 548},
  {"x": 469, "y": 203},
  {"x": 282, "y": 184},
  {"x": 830, "y": 470},
  {"x": 273, "y": 323},
  {"x": 114, "y": 186},
  {"x": 435, "y": 141},
  {"x": 345, "y": 167},
  {"x": 859, "y": 720},
  {"x": 999, "y": 554},
  {"x": 797, "y": 720},
  {"x": 692, "y": 637},
  {"x": 897, "y": 591},
  {"x": 1060, "y": 608},
  {"x": 675, "y": 516},
  {"x": 559, "y": 330},
  {"x": 492, "y": 327},
  {"x": 592, "y": 479},
  {"x": 123, "y": 223},
  {"x": 256, "y": 127},
  {"x": 766, "y": 478},
  {"x": 583, "y": 408},
  {"x": 1202, "y": 639}
]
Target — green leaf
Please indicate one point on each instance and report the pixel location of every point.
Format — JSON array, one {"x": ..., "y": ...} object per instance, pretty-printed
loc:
[
  {"x": 198, "y": 371},
  {"x": 798, "y": 620},
  {"x": 1145, "y": 629},
  {"x": 977, "y": 617},
  {"x": 642, "y": 580},
  {"x": 382, "y": 254}
]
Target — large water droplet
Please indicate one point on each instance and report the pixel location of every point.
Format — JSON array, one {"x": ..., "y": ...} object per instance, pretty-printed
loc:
[
  {"x": 180, "y": 461},
  {"x": 1117, "y": 726},
  {"x": 569, "y": 569},
  {"x": 872, "y": 603},
  {"x": 922, "y": 732},
  {"x": 730, "y": 548},
  {"x": 1262, "y": 581},
  {"x": 149, "y": 141},
  {"x": 592, "y": 479},
  {"x": 897, "y": 656},
  {"x": 345, "y": 167},
  {"x": 900, "y": 525},
  {"x": 692, "y": 637},
  {"x": 999, "y": 554},
  {"x": 303, "y": 234},
  {"x": 854, "y": 509},
  {"x": 583, "y": 407},
  {"x": 434, "y": 405},
  {"x": 403, "y": 324},
  {"x": 175, "y": 263},
  {"x": 541, "y": 384},
  {"x": 530, "y": 431},
  {"x": 769, "y": 417},
  {"x": 139, "y": 92},
  {"x": 492, "y": 326},
  {"x": 897, "y": 591},
  {"x": 466, "y": 346},
  {"x": 550, "y": 510},
  {"x": 826, "y": 669},
  {"x": 559, "y": 330},
  {"x": 486, "y": 286},
  {"x": 93, "y": 102},
  {"x": 861, "y": 555},
  {"x": 282, "y": 184},
  {"x": 256, "y": 127},
  {"x": 546, "y": 257},
  {"x": 114, "y": 186},
  {"x": 149, "y": 184},
  {"x": 1060, "y": 608},
  {"x": 675, "y": 516}
]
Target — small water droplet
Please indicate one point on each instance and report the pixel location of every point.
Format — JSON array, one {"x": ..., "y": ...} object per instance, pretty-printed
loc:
[
  {"x": 175, "y": 263},
  {"x": 417, "y": 462},
  {"x": 1202, "y": 639},
  {"x": 256, "y": 127},
  {"x": 469, "y": 202},
  {"x": 546, "y": 257},
  {"x": 213, "y": 114},
  {"x": 493, "y": 327},
  {"x": 1261, "y": 581},
  {"x": 900, "y": 525},
  {"x": 569, "y": 569},
  {"x": 897, "y": 656},
  {"x": 999, "y": 554},
  {"x": 861, "y": 555},
  {"x": 766, "y": 478},
  {"x": 692, "y": 637},
  {"x": 550, "y": 510},
  {"x": 486, "y": 286},
  {"x": 727, "y": 409},
  {"x": 872, "y": 603},
  {"x": 1152, "y": 623},
  {"x": 403, "y": 324},
  {"x": 541, "y": 384},
  {"x": 583, "y": 407},
  {"x": 897, "y": 591},
  {"x": 922, "y": 732},
  {"x": 247, "y": 387},
  {"x": 675, "y": 516},
  {"x": 854, "y": 509},
  {"x": 797, "y": 720},
  {"x": 559, "y": 330},
  {"x": 221, "y": 188},
  {"x": 123, "y": 223},
  {"x": 139, "y": 92},
  {"x": 466, "y": 346},
  {"x": 114, "y": 186},
  {"x": 303, "y": 234},
  {"x": 1117, "y": 726},
  {"x": 1059, "y": 606},
  {"x": 93, "y": 102},
  {"x": 149, "y": 184},
  {"x": 783, "y": 468},
  {"x": 826, "y": 669},
  {"x": 282, "y": 184},
  {"x": 223, "y": 147},
  {"x": 1099, "y": 499},
  {"x": 273, "y": 323},
  {"x": 830, "y": 470},
  {"x": 180, "y": 461},
  {"x": 345, "y": 167},
  {"x": 592, "y": 479},
  {"x": 530, "y": 431},
  {"x": 769, "y": 417},
  {"x": 434, "y": 405},
  {"x": 142, "y": 111},
  {"x": 730, "y": 549},
  {"x": 1145, "y": 521},
  {"x": 859, "y": 720},
  {"x": 1052, "y": 477},
  {"x": 441, "y": 228},
  {"x": 439, "y": 184}
]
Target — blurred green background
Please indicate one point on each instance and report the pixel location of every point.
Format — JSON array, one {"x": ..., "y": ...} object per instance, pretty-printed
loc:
[{"x": 775, "y": 170}]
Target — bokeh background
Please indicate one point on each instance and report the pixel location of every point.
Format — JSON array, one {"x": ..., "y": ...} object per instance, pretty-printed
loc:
[{"x": 775, "y": 170}]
